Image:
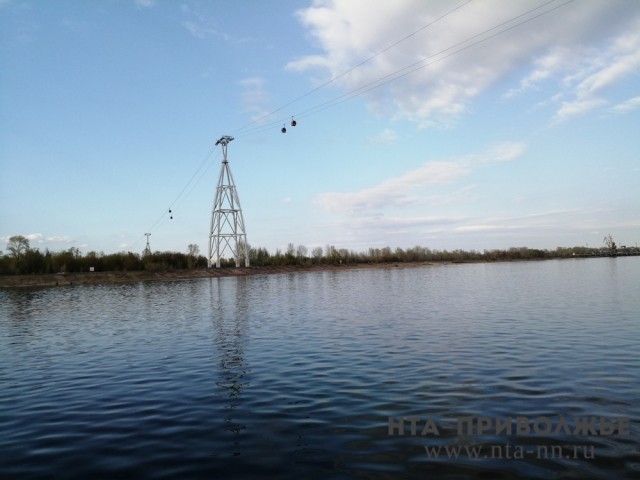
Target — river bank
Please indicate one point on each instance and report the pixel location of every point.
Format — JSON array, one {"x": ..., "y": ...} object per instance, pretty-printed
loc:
[{"x": 96, "y": 278}]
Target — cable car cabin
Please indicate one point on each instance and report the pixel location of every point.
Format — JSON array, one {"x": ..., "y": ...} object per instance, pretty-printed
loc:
[
  {"x": 283, "y": 129},
  {"x": 293, "y": 122}
]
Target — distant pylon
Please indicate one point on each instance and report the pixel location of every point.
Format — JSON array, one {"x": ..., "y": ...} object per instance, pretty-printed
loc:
[
  {"x": 227, "y": 232},
  {"x": 147, "y": 249}
]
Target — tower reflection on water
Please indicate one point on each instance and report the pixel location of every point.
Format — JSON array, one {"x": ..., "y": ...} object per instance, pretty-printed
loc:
[{"x": 229, "y": 318}]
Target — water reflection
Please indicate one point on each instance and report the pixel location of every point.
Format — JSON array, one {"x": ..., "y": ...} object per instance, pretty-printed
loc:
[
  {"x": 294, "y": 376},
  {"x": 19, "y": 304},
  {"x": 229, "y": 319}
]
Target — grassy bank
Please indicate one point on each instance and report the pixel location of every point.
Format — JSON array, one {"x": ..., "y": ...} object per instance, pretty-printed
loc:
[{"x": 96, "y": 278}]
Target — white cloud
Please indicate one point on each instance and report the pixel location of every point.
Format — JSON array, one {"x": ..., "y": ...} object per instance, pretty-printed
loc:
[
  {"x": 201, "y": 30},
  {"x": 486, "y": 231},
  {"x": 505, "y": 152},
  {"x": 542, "y": 221},
  {"x": 35, "y": 237},
  {"x": 628, "y": 105},
  {"x": 202, "y": 26},
  {"x": 613, "y": 71},
  {"x": 394, "y": 191},
  {"x": 383, "y": 223},
  {"x": 588, "y": 72},
  {"x": 544, "y": 67},
  {"x": 387, "y": 136},
  {"x": 145, "y": 3},
  {"x": 577, "y": 107},
  {"x": 255, "y": 98},
  {"x": 480, "y": 228},
  {"x": 39, "y": 238},
  {"x": 408, "y": 188},
  {"x": 197, "y": 31},
  {"x": 439, "y": 71}
]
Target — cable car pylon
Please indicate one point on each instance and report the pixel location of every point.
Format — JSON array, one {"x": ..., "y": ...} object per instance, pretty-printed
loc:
[{"x": 227, "y": 233}]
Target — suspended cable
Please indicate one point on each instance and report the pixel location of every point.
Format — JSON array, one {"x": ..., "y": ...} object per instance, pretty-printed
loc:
[
  {"x": 204, "y": 171},
  {"x": 333, "y": 79},
  {"x": 380, "y": 82},
  {"x": 205, "y": 161},
  {"x": 409, "y": 69},
  {"x": 385, "y": 80},
  {"x": 190, "y": 182}
]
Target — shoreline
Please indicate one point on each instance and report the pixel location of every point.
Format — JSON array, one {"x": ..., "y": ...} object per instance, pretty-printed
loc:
[
  {"x": 41, "y": 280},
  {"x": 102, "y": 278}
]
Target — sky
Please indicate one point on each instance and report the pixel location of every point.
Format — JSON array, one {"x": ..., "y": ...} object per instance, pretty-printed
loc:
[{"x": 481, "y": 124}]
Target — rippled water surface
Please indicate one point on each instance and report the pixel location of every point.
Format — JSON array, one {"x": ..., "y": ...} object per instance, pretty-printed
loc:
[{"x": 297, "y": 375}]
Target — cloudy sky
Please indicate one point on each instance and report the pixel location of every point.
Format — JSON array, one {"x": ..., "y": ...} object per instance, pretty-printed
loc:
[{"x": 449, "y": 124}]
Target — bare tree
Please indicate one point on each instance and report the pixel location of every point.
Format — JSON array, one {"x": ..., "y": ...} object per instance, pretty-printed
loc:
[
  {"x": 192, "y": 254},
  {"x": 317, "y": 254},
  {"x": 18, "y": 245},
  {"x": 610, "y": 244},
  {"x": 302, "y": 252},
  {"x": 193, "y": 250}
]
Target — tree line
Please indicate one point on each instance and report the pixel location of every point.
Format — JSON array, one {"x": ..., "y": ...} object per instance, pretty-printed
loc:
[{"x": 20, "y": 258}]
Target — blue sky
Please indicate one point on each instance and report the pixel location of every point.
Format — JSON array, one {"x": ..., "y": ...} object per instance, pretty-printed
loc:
[{"x": 473, "y": 124}]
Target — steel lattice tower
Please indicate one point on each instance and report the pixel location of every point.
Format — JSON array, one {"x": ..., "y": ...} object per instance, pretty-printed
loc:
[
  {"x": 147, "y": 249},
  {"x": 227, "y": 233}
]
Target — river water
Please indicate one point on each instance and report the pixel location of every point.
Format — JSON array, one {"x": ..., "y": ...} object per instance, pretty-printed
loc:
[{"x": 369, "y": 373}]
